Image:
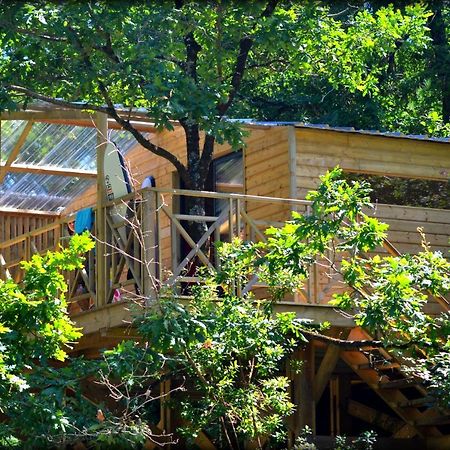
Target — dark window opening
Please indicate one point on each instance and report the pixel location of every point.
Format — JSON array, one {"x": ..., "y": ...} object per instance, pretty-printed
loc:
[{"x": 406, "y": 191}]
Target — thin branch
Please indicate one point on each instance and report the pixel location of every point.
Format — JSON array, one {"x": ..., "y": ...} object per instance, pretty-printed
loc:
[
  {"x": 45, "y": 37},
  {"x": 266, "y": 63}
]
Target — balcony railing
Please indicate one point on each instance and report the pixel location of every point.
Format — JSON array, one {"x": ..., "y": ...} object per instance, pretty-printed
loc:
[{"x": 147, "y": 244}]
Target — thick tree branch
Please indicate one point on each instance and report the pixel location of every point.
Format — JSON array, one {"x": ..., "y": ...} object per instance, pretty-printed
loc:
[
  {"x": 55, "y": 101},
  {"x": 207, "y": 153},
  {"x": 108, "y": 50},
  {"x": 126, "y": 125},
  {"x": 111, "y": 111},
  {"x": 245, "y": 44},
  {"x": 192, "y": 50},
  {"x": 159, "y": 151},
  {"x": 352, "y": 345}
]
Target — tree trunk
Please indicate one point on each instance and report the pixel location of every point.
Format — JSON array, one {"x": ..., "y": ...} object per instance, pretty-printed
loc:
[
  {"x": 196, "y": 206},
  {"x": 198, "y": 174}
]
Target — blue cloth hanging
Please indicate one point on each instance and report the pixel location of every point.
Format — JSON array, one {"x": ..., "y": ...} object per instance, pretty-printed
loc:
[{"x": 84, "y": 220}]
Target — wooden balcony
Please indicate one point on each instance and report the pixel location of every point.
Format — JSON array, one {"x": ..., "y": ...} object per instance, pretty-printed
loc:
[{"x": 147, "y": 246}]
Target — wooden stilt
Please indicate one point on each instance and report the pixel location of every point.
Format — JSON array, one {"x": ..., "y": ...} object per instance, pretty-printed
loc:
[
  {"x": 303, "y": 385},
  {"x": 325, "y": 370}
]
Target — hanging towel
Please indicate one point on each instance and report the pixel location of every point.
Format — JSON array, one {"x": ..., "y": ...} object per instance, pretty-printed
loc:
[{"x": 84, "y": 220}]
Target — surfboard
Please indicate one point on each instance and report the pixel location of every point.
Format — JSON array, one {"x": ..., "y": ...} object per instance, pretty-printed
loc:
[{"x": 117, "y": 184}]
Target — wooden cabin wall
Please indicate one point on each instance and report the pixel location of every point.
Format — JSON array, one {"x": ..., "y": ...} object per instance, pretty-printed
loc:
[
  {"x": 267, "y": 172},
  {"x": 320, "y": 150}
]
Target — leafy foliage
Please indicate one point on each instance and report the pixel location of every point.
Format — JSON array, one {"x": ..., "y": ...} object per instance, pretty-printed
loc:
[
  {"x": 33, "y": 316},
  {"x": 223, "y": 351},
  {"x": 35, "y": 329},
  {"x": 226, "y": 348},
  {"x": 371, "y": 66},
  {"x": 367, "y": 65}
]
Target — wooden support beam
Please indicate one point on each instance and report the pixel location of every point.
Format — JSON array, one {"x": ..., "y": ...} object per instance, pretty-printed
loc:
[
  {"x": 392, "y": 397},
  {"x": 34, "y": 212},
  {"x": 443, "y": 419},
  {"x": 326, "y": 368},
  {"x": 399, "y": 384},
  {"x": 15, "y": 150},
  {"x": 149, "y": 266},
  {"x": 49, "y": 114},
  {"x": 48, "y": 170},
  {"x": 422, "y": 401},
  {"x": 101, "y": 122},
  {"x": 78, "y": 117},
  {"x": 112, "y": 124},
  {"x": 374, "y": 417},
  {"x": 303, "y": 385}
]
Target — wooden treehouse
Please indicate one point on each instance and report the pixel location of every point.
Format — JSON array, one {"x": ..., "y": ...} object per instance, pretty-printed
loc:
[{"x": 49, "y": 173}]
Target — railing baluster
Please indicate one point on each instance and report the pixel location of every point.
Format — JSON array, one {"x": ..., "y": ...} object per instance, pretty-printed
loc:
[{"x": 230, "y": 220}]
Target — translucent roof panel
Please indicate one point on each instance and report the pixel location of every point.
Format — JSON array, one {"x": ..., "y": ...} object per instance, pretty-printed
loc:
[
  {"x": 40, "y": 192},
  {"x": 10, "y": 132},
  {"x": 51, "y": 145}
]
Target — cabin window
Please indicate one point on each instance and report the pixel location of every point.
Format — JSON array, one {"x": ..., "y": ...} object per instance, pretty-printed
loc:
[
  {"x": 406, "y": 191},
  {"x": 227, "y": 174}
]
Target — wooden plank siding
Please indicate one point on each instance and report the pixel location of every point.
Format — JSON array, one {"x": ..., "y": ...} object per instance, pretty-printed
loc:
[
  {"x": 266, "y": 171},
  {"x": 320, "y": 150}
]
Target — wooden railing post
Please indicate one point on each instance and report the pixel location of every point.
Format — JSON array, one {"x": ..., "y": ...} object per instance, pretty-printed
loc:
[
  {"x": 102, "y": 272},
  {"x": 149, "y": 265}
]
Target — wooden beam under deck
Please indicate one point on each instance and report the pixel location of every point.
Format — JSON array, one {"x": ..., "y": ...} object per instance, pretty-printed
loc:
[{"x": 118, "y": 314}]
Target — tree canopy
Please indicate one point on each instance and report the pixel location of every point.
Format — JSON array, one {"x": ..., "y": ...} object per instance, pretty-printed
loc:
[{"x": 197, "y": 64}]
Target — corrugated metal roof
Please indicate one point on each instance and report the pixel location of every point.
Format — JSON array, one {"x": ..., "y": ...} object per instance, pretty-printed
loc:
[
  {"x": 40, "y": 105},
  {"x": 56, "y": 146},
  {"x": 322, "y": 126}
]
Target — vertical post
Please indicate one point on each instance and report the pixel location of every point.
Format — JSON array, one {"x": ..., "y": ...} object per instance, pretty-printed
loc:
[
  {"x": 303, "y": 391},
  {"x": 101, "y": 124},
  {"x": 292, "y": 149},
  {"x": 159, "y": 254},
  {"x": 231, "y": 219}
]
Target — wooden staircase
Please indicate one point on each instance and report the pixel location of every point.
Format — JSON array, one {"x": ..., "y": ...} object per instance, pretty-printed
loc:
[{"x": 403, "y": 393}]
